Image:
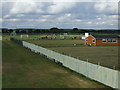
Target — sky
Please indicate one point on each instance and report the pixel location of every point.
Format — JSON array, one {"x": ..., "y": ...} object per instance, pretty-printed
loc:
[{"x": 62, "y": 14}]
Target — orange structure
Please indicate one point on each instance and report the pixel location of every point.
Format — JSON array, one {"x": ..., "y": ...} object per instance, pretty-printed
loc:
[{"x": 102, "y": 40}]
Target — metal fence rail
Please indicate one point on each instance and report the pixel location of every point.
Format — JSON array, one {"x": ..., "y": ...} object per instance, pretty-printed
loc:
[{"x": 101, "y": 74}]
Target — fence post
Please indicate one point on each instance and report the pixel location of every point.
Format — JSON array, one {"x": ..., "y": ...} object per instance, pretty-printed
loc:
[
  {"x": 98, "y": 63},
  {"x": 114, "y": 67},
  {"x": 87, "y": 60}
]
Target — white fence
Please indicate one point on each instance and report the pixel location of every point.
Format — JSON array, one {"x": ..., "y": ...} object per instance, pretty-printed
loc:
[{"x": 101, "y": 74}]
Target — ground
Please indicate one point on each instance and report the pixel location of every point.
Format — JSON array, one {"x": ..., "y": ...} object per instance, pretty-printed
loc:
[
  {"x": 25, "y": 69},
  {"x": 104, "y": 55}
]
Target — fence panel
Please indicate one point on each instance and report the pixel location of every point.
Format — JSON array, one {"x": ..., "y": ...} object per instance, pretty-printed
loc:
[{"x": 101, "y": 74}]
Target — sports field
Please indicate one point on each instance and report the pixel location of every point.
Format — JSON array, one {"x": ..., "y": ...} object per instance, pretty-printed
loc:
[
  {"x": 49, "y": 36},
  {"x": 57, "y": 43},
  {"x": 104, "y": 55},
  {"x": 25, "y": 69}
]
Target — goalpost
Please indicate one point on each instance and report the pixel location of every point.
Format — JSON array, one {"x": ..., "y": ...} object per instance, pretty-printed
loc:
[{"x": 24, "y": 35}]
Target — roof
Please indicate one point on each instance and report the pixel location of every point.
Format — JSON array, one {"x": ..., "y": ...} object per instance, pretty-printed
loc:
[{"x": 106, "y": 36}]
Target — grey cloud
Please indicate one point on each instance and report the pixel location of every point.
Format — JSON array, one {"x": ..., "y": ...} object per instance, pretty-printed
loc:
[{"x": 80, "y": 15}]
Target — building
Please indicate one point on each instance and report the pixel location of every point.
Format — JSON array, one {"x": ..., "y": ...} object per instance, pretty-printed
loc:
[
  {"x": 102, "y": 40},
  {"x": 86, "y": 35}
]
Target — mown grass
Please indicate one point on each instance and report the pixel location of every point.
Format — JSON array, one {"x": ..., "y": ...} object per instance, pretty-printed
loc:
[
  {"x": 25, "y": 69},
  {"x": 105, "y": 56},
  {"x": 57, "y": 43},
  {"x": 39, "y": 37}
]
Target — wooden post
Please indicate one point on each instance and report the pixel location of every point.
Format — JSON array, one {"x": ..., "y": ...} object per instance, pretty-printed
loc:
[
  {"x": 98, "y": 63},
  {"x": 114, "y": 67},
  {"x": 87, "y": 60}
]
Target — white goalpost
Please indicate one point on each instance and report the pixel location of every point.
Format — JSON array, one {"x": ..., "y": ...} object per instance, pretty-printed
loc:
[{"x": 24, "y": 35}]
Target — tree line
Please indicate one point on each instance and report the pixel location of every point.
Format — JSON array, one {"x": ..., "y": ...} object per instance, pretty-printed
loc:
[{"x": 59, "y": 31}]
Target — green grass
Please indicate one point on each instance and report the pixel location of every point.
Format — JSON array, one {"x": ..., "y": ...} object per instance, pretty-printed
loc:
[
  {"x": 25, "y": 69},
  {"x": 38, "y": 37},
  {"x": 105, "y": 55},
  {"x": 57, "y": 43}
]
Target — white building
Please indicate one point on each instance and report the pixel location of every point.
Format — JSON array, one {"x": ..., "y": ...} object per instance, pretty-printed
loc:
[{"x": 86, "y": 35}]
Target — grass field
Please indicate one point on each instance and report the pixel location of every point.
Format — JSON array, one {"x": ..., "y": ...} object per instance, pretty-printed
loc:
[
  {"x": 25, "y": 69},
  {"x": 57, "y": 43},
  {"x": 105, "y": 55},
  {"x": 39, "y": 37}
]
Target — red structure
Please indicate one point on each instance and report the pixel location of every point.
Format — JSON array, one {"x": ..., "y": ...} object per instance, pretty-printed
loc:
[{"x": 102, "y": 40}]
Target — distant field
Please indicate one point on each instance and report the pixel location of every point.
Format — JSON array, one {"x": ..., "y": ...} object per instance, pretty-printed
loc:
[
  {"x": 57, "y": 43},
  {"x": 25, "y": 69},
  {"x": 105, "y": 55},
  {"x": 39, "y": 37}
]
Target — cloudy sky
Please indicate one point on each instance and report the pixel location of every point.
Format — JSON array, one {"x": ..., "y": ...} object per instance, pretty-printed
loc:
[{"x": 73, "y": 14}]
